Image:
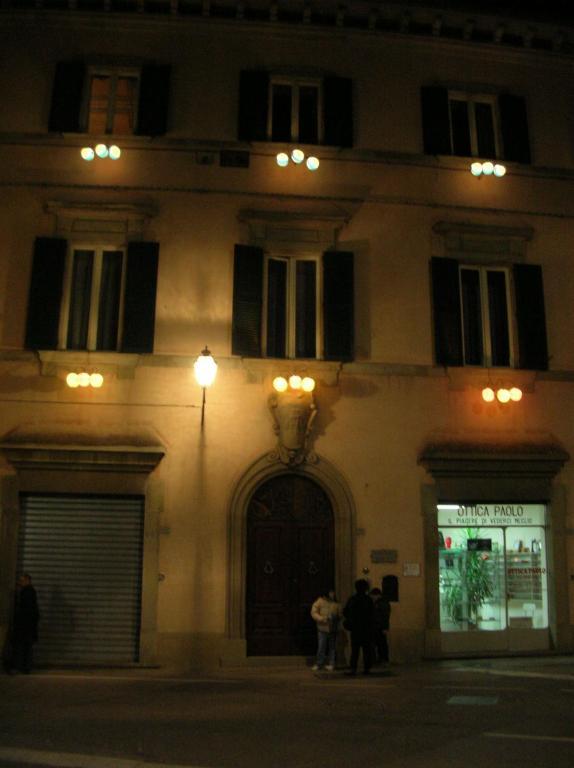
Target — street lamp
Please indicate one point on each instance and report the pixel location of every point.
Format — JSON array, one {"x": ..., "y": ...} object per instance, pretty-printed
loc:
[{"x": 205, "y": 369}]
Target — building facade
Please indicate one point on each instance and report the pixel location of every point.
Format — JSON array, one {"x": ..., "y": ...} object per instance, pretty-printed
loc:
[{"x": 417, "y": 278}]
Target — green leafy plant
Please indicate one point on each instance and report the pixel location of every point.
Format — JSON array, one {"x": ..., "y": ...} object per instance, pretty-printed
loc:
[{"x": 470, "y": 585}]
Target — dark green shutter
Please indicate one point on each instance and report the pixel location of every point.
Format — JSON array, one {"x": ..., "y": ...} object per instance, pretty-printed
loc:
[
  {"x": 253, "y": 106},
  {"x": 45, "y": 295},
  {"x": 67, "y": 95},
  {"x": 530, "y": 317},
  {"x": 338, "y": 305},
  {"x": 436, "y": 122},
  {"x": 446, "y": 311},
  {"x": 140, "y": 297},
  {"x": 514, "y": 128},
  {"x": 247, "y": 301},
  {"x": 153, "y": 100},
  {"x": 338, "y": 111}
]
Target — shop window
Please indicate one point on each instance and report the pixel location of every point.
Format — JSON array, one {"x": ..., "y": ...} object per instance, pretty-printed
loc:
[
  {"x": 293, "y": 306},
  {"x": 114, "y": 100},
  {"x": 92, "y": 297},
  {"x": 478, "y": 308},
  {"x": 492, "y": 567},
  {"x": 469, "y": 124},
  {"x": 290, "y": 109}
]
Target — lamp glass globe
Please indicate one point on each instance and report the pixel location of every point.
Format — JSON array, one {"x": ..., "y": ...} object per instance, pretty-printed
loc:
[{"x": 280, "y": 384}]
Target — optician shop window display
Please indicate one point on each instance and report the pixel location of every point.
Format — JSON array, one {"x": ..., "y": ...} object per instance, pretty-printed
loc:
[{"x": 492, "y": 567}]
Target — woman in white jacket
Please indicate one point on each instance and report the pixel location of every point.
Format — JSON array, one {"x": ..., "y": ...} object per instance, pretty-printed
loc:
[{"x": 326, "y": 612}]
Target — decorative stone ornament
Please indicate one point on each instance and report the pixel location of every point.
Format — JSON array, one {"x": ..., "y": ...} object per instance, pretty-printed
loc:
[{"x": 293, "y": 413}]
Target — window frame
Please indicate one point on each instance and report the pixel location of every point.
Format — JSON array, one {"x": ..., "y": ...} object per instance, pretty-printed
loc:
[
  {"x": 98, "y": 250},
  {"x": 296, "y": 83},
  {"x": 114, "y": 73},
  {"x": 483, "y": 270},
  {"x": 291, "y": 259},
  {"x": 471, "y": 99}
]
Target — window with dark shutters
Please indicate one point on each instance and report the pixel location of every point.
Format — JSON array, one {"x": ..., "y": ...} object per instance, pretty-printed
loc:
[
  {"x": 470, "y": 124},
  {"x": 295, "y": 109},
  {"x": 108, "y": 99},
  {"x": 473, "y": 307},
  {"x": 87, "y": 314},
  {"x": 276, "y": 308}
]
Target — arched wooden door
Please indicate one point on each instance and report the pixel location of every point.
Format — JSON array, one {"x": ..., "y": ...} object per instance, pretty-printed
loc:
[{"x": 290, "y": 562}]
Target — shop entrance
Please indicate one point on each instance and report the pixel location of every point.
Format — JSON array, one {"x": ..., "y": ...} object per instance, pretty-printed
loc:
[
  {"x": 493, "y": 577},
  {"x": 290, "y": 561}
]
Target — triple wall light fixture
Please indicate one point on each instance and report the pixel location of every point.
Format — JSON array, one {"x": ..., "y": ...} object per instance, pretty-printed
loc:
[
  {"x": 281, "y": 384},
  {"x": 503, "y": 395},
  {"x": 298, "y": 157},
  {"x": 205, "y": 369},
  {"x": 84, "y": 379},
  {"x": 488, "y": 169},
  {"x": 102, "y": 151}
]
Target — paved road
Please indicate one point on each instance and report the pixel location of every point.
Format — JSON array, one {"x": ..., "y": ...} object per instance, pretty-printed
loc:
[{"x": 509, "y": 713}]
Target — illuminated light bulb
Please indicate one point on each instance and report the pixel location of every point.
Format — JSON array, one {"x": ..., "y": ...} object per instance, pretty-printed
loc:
[
  {"x": 114, "y": 152},
  {"x": 499, "y": 170},
  {"x": 205, "y": 369},
  {"x": 488, "y": 168},
  {"x": 282, "y": 159},
  {"x": 297, "y": 156},
  {"x": 87, "y": 153},
  {"x": 476, "y": 169},
  {"x": 84, "y": 379},
  {"x": 488, "y": 394},
  {"x": 96, "y": 380},
  {"x": 503, "y": 395},
  {"x": 72, "y": 380},
  {"x": 280, "y": 383},
  {"x": 308, "y": 384},
  {"x": 295, "y": 382},
  {"x": 101, "y": 150},
  {"x": 312, "y": 163},
  {"x": 515, "y": 394}
]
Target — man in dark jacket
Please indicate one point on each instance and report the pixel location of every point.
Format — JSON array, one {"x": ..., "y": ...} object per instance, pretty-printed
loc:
[
  {"x": 24, "y": 625},
  {"x": 359, "y": 620}
]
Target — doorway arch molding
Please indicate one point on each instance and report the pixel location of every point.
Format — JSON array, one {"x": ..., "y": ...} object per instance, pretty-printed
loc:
[{"x": 332, "y": 482}]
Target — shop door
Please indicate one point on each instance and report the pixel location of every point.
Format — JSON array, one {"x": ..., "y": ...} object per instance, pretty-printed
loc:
[{"x": 290, "y": 562}]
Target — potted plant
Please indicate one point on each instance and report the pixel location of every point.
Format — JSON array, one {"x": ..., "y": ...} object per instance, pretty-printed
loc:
[{"x": 469, "y": 585}]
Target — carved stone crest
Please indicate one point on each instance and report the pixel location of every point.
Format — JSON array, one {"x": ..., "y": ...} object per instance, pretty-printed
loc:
[{"x": 293, "y": 413}]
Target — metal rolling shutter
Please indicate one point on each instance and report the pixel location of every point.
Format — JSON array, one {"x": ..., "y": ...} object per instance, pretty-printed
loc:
[{"x": 84, "y": 554}]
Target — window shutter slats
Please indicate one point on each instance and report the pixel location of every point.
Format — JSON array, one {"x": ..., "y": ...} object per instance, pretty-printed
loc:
[
  {"x": 446, "y": 311},
  {"x": 140, "y": 297},
  {"x": 530, "y": 317},
  {"x": 338, "y": 305},
  {"x": 247, "y": 301},
  {"x": 45, "y": 296},
  {"x": 338, "y": 111},
  {"x": 253, "y": 106},
  {"x": 514, "y": 128},
  {"x": 67, "y": 94},
  {"x": 153, "y": 101},
  {"x": 436, "y": 124}
]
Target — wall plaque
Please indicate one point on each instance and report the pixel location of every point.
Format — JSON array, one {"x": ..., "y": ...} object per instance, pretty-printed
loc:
[{"x": 384, "y": 555}]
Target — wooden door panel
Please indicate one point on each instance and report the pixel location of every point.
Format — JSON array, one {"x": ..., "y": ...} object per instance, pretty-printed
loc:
[{"x": 289, "y": 563}]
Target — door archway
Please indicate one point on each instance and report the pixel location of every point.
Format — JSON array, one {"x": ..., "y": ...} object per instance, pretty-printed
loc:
[
  {"x": 290, "y": 562},
  {"x": 334, "y": 486}
]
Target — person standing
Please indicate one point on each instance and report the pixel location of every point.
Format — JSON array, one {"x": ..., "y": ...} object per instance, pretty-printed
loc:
[
  {"x": 326, "y": 613},
  {"x": 359, "y": 620},
  {"x": 382, "y": 615},
  {"x": 24, "y": 624}
]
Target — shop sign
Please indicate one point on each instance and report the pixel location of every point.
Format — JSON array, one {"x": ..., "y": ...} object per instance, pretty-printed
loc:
[{"x": 484, "y": 515}]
